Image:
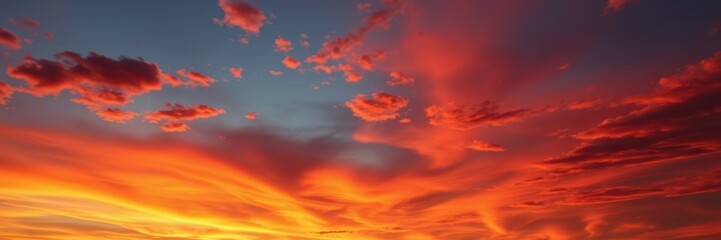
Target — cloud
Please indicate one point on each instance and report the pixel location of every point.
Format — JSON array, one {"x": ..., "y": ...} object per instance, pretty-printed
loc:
[
  {"x": 252, "y": 115},
  {"x": 676, "y": 121},
  {"x": 379, "y": 107},
  {"x": 616, "y": 5},
  {"x": 195, "y": 78},
  {"x": 399, "y": 79},
  {"x": 236, "y": 72},
  {"x": 585, "y": 104},
  {"x": 26, "y": 23},
  {"x": 116, "y": 115},
  {"x": 174, "y": 127},
  {"x": 291, "y": 62},
  {"x": 304, "y": 42},
  {"x": 350, "y": 74},
  {"x": 283, "y": 45},
  {"x": 49, "y": 36},
  {"x": 9, "y": 39},
  {"x": 361, "y": 7},
  {"x": 336, "y": 48},
  {"x": 468, "y": 116},
  {"x": 482, "y": 146},
  {"x": 178, "y": 112},
  {"x": 97, "y": 80},
  {"x": 6, "y": 92},
  {"x": 275, "y": 73},
  {"x": 366, "y": 61},
  {"x": 240, "y": 14}
]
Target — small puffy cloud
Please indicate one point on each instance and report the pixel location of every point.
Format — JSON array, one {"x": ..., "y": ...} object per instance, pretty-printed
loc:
[
  {"x": 399, "y": 79},
  {"x": 252, "y": 115},
  {"x": 616, "y": 5},
  {"x": 350, "y": 74},
  {"x": 178, "y": 112},
  {"x": 236, "y": 72},
  {"x": 304, "y": 42},
  {"x": 291, "y": 62},
  {"x": 468, "y": 116},
  {"x": 482, "y": 146},
  {"x": 174, "y": 127},
  {"x": 6, "y": 92},
  {"x": 195, "y": 78},
  {"x": 116, "y": 115},
  {"x": 49, "y": 36},
  {"x": 275, "y": 73},
  {"x": 283, "y": 45},
  {"x": 379, "y": 106},
  {"x": 240, "y": 14},
  {"x": 26, "y": 23},
  {"x": 9, "y": 39}
]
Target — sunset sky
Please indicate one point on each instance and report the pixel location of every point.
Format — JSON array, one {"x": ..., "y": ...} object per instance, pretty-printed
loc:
[{"x": 360, "y": 119}]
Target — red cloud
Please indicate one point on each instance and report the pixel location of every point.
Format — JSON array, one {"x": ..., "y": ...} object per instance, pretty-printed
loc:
[
  {"x": 240, "y": 14},
  {"x": 291, "y": 62},
  {"x": 338, "y": 47},
  {"x": 237, "y": 72},
  {"x": 26, "y": 23},
  {"x": 9, "y": 39},
  {"x": 283, "y": 45},
  {"x": 275, "y": 73},
  {"x": 399, "y": 79},
  {"x": 116, "y": 115},
  {"x": 252, "y": 115},
  {"x": 196, "y": 78},
  {"x": 467, "y": 116},
  {"x": 366, "y": 61},
  {"x": 678, "y": 121},
  {"x": 381, "y": 106},
  {"x": 178, "y": 112},
  {"x": 98, "y": 80},
  {"x": 350, "y": 74},
  {"x": 585, "y": 104},
  {"x": 174, "y": 127},
  {"x": 616, "y": 5},
  {"x": 49, "y": 36},
  {"x": 481, "y": 146},
  {"x": 6, "y": 92}
]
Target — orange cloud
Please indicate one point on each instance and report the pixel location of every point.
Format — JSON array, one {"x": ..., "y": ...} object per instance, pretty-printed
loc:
[
  {"x": 283, "y": 45},
  {"x": 240, "y": 14},
  {"x": 9, "y": 39},
  {"x": 236, "y": 72},
  {"x": 291, "y": 62},
  {"x": 366, "y": 61},
  {"x": 195, "y": 78},
  {"x": 6, "y": 92},
  {"x": 174, "y": 127},
  {"x": 399, "y": 79},
  {"x": 116, "y": 115},
  {"x": 252, "y": 115},
  {"x": 275, "y": 73},
  {"x": 379, "y": 107},
  {"x": 481, "y": 146}
]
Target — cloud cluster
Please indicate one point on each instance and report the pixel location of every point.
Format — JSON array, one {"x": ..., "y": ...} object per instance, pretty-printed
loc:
[
  {"x": 679, "y": 120},
  {"x": 379, "y": 106}
]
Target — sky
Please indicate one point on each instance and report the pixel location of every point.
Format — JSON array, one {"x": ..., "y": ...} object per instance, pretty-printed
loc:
[{"x": 360, "y": 119}]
